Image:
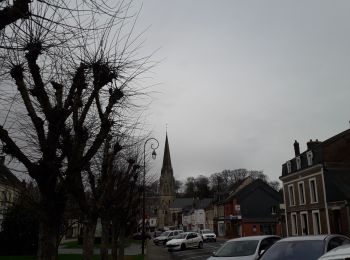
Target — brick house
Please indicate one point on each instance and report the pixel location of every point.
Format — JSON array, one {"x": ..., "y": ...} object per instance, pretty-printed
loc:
[
  {"x": 251, "y": 209},
  {"x": 316, "y": 187}
]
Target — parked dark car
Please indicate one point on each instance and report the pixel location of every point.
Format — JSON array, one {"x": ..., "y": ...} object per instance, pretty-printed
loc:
[
  {"x": 138, "y": 236},
  {"x": 304, "y": 247}
]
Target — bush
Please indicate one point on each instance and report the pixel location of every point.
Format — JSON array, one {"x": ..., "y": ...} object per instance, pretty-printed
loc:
[{"x": 20, "y": 230}]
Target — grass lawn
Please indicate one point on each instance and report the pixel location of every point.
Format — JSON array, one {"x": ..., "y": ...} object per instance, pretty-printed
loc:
[{"x": 65, "y": 257}]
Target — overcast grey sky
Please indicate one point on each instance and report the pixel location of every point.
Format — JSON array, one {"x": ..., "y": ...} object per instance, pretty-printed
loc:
[{"x": 239, "y": 81}]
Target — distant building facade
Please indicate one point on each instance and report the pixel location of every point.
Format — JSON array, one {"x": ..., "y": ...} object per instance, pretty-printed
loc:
[
  {"x": 9, "y": 188},
  {"x": 316, "y": 187},
  {"x": 250, "y": 209}
]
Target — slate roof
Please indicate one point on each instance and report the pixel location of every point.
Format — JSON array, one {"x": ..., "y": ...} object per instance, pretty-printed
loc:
[
  {"x": 180, "y": 203},
  {"x": 337, "y": 182},
  {"x": 7, "y": 177},
  {"x": 203, "y": 203},
  {"x": 189, "y": 203}
]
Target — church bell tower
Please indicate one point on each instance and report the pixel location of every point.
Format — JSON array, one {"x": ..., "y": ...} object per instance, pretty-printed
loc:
[{"x": 166, "y": 187}]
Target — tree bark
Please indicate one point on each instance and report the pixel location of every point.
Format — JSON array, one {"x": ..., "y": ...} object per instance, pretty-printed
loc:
[
  {"x": 104, "y": 239},
  {"x": 121, "y": 242},
  {"x": 89, "y": 238},
  {"x": 48, "y": 240},
  {"x": 115, "y": 236}
]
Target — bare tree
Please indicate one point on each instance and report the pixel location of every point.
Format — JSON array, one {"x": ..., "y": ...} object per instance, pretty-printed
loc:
[
  {"x": 67, "y": 73},
  {"x": 11, "y": 13}
]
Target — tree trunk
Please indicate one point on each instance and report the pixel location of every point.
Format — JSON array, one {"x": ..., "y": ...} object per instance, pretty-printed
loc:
[
  {"x": 48, "y": 240},
  {"x": 52, "y": 208},
  {"x": 121, "y": 242},
  {"x": 104, "y": 239},
  {"x": 115, "y": 236},
  {"x": 89, "y": 229}
]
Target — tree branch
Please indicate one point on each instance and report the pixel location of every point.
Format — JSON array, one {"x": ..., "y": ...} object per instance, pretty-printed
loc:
[
  {"x": 17, "y": 75},
  {"x": 12, "y": 149},
  {"x": 10, "y": 14}
]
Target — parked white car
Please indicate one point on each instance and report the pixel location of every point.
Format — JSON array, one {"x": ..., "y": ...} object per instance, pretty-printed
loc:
[
  {"x": 166, "y": 236},
  {"x": 208, "y": 235},
  {"x": 338, "y": 253},
  {"x": 185, "y": 240},
  {"x": 244, "y": 248}
]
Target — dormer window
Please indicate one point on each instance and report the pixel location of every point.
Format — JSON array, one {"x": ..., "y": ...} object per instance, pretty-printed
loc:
[
  {"x": 298, "y": 161},
  {"x": 273, "y": 210},
  {"x": 310, "y": 157},
  {"x": 289, "y": 167}
]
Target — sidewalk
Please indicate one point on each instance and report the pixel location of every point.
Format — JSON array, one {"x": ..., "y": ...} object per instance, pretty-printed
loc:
[
  {"x": 132, "y": 249},
  {"x": 156, "y": 252}
]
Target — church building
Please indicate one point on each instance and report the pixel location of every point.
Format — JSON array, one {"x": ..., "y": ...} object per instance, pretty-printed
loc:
[{"x": 166, "y": 188}]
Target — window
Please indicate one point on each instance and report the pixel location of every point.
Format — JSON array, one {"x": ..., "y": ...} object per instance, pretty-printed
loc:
[
  {"x": 273, "y": 210},
  {"x": 316, "y": 222},
  {"x": 298, "y": 161},
  {"x": 335, "y": 242},
  {"x": 301, "y": 189},
  {"x": 313, "y": 191},
  {"x": 310, "y": 158},
  {"x": 304, "y": 223},
  {"x": 291, "y": 195},
  {"x": 289, "y": 167},
  {"x": 294, "y": 224}
]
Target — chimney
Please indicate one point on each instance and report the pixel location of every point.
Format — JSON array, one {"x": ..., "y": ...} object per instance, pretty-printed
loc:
[
  {"x": 312, "y": 144},
  {"x": 296, "y": 148}
]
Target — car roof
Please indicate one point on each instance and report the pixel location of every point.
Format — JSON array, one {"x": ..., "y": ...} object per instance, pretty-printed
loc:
[
  {"x": 343, "y": 251},
  {"x": 308, "y": 237},
  {"x": 252, "y": 238}
]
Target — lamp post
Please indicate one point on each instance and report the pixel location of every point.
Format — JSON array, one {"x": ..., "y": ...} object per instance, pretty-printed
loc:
[{"x": 154, "y": 146}]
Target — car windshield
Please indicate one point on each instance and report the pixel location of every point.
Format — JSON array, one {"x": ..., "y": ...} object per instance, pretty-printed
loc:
[
  {"x": 165, "y": 234},
  {"x": 181, "y": 236},
  {"x": 237, "y": 248},
  {"x": 207, "y": 231},
  {"x": 295, "y": 250}
]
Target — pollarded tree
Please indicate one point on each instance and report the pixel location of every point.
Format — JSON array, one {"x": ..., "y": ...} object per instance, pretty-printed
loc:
[{"x": 65, "y": 78}]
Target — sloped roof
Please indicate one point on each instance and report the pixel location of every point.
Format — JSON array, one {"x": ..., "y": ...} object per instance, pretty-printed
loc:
[
  {"x": 337, "y": 182},
  {"x": 7, "y": 177},
  {"x": 180, "y": 203},
  {"x": 189, "y": 203},
  {"x": 203, "y": 203},
  {"x": 252, "y": 186},
  {"x": 237, "y": 187},
  {"x": 166, "y": 156}
]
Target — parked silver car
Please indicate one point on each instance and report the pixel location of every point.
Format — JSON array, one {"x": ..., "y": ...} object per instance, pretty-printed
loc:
[
  {"x": 244, "y": 248},
  {"x": 304, "y": 247},
  {"x": 166, "y": 236},
  {"x": 338, "y": 253}
]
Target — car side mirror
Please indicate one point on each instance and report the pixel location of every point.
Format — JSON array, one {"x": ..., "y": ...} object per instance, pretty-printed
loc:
[
  {"x": 213, "y": 254},
  {"x": 262, "y": 252}
]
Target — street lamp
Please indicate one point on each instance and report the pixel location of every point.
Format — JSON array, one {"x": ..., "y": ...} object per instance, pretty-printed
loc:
[{"x": 154, "y": 146}]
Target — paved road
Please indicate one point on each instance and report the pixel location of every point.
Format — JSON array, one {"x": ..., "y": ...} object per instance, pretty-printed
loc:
[
  {"x": 196, "y": 254},
  {"x": 161, "y": 252}
]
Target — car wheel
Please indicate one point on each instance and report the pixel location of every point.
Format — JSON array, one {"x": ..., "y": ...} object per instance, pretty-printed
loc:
[
  {"x": 200, "y": 244},
  {"x": 214, "y": 239},
  {"x": 183, "y": 246}
]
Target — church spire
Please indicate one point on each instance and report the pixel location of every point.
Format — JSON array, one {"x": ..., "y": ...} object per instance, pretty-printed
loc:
[{"x": 166, "y": 157}]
